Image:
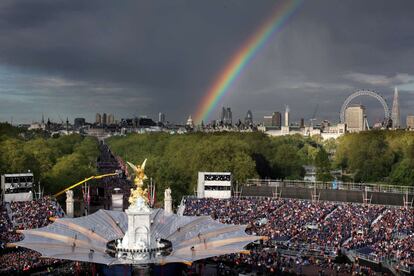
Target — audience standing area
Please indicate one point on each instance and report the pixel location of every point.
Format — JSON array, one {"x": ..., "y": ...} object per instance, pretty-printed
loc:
[{"x": 315, "y": 230}]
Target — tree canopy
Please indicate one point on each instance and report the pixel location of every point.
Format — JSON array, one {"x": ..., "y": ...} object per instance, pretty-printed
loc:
[
  {"x": 175, "y": 160},
  {"x": 55, "y": 162}
]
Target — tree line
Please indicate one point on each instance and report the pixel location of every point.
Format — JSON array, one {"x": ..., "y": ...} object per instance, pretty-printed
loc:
[
  {"x": 175, "y": 160},
  {"x": 55, "y": 162},
  {"x": 377, "y": 156}
]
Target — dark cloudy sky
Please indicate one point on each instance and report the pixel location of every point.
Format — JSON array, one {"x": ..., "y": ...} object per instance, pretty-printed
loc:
[{"x": 75, "y": 58}]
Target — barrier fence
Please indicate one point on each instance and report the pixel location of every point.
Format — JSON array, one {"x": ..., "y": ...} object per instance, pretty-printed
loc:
[{"x": 334, "y": 185}]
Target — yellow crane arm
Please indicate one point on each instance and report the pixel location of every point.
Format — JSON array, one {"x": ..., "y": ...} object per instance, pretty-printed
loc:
[{"x": 83, "y": 181}]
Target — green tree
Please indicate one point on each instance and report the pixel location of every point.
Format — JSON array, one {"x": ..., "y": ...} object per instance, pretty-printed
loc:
[
  {"x": 43, "y": 154},
  {"x": 14, "y": 158},
  {"x": 323, "y": 166},
  {"x": 288, "y": 163},
  {"x": 68, "y": 170},
  {"x": 366, "y": 154},
  {"x": 403, "y": 173}
]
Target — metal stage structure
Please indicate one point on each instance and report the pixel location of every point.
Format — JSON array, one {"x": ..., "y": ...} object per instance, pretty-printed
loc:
[{"x": 140, "y": 235}]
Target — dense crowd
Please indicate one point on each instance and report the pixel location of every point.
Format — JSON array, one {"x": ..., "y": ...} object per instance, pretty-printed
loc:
[
  {"x": 24, "y": 215},
  {"x": 266, "y": 262},
  {"x": 345, "y": 221},
  {"x": 387, "y": 232},
  {"x": 390, "y": 237},
  {"x": 5, "y": 225},
  {"x": 24, "y": 260},
  {"x": 108, "y": 163},
  {"x": 34, "y": 214}
]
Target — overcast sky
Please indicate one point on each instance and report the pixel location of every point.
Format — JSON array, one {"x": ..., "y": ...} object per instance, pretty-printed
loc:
[{"x": 130, "y": 58}]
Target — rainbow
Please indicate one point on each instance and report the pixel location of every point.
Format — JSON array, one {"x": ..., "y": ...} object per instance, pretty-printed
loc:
[{"x": 243, "y": 56}]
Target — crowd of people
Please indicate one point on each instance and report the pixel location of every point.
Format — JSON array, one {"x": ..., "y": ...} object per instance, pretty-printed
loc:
[
  {"x": 321, "y": 226},
  {"x": 389, "y": 237},
  {"x": 381, "y": 232},
  {"x": 34, "y": 214},
  {"x": 5, "y": 225},
  {"x": 108, "y": 163},
  {"x": 24, "y": 215},
  {"x": 345, "y": 221},
  {"x": 22, "y": 260},
  {"x": 265, "y": 262}
]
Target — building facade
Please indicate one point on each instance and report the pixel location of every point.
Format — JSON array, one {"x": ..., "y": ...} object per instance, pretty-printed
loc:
[
  {"x": 277, "y": 119},
  {"x": 267, "y": 121},
  {"x": 248, "y": 120},
  {"x": 395, "y": 114},
  {"x": 111, "y": 119},
  {"x": 78, "y": 122},
  {"x": 190, "y": 122},
  {"x": 161, "y": 118},
  {"x": 226, "y": 116},
  {"x": 410, "y": 122},
  {"x": 104, "y": 119},
  {"x": 98, "y": 119},
  {"x": 287, "y": 110},
  {"x": 355, "y": 118},
  {"x": 274, "y": 121}
]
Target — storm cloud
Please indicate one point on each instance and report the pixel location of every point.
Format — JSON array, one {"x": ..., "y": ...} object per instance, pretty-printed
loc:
[{"x": 76, "y": 58}]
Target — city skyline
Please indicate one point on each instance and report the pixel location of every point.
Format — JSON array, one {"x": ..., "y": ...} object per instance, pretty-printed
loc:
[
  {"x": 225, "y": 116},
  {"x": 219, "y": 117},
  {"x": 56, "y": 64}
]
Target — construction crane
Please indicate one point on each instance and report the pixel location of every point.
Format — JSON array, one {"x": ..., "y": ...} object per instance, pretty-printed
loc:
[{"x": 85, "y": 180}]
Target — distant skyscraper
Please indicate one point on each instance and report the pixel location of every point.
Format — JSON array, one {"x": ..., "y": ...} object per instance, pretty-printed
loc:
[
  {"x": 395, "y": 114},
  {"x": 190, "y": 122},
  {"x": 355, "y": 118},
  {"x": 104, "y": 119},
  {"x": 111, "y": 119},
  {"x": 287, "y": 110},
  {"x": 277, "y": 119},
  {"x": 229, "y": 118},
  {"x": 226, "y": 116},
  {"x": 267, "y": 121},
  {"x": 274, "y": 121},
  {"x": 410, "y": 121},
  {"x": 98, "y": 119},
  {"x": 302, "y": 123},
  {"x": 223, "y": 114},
  {"x": 43, "y": 125},
  {"x": 161, "y": 118},
  {"x": 249, "y": 118},
  {"x": 78, "y": 122}
]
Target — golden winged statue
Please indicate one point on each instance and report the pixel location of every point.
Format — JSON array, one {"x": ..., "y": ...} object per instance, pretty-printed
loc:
[{"x": 138, "y": 192}]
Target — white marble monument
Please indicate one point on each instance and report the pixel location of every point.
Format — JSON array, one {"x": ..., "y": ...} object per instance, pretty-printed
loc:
[
  {"x": 137, "y": 242},
  {"x": 168, "y": 202},
  {"x": 69, "y": 204}
]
